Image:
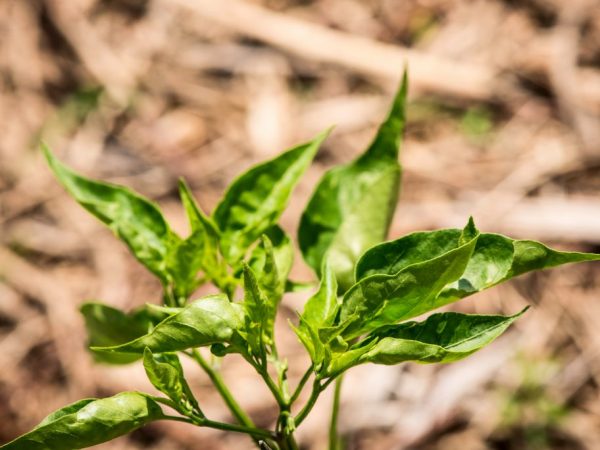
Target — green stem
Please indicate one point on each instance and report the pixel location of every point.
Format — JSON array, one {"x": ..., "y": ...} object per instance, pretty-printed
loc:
[
  {"x": 179, "y": 419},
  {"x": 333, "y": 427},
  {"x": 217, "y": 380},
  {"x": 252, "y": 431},
  {"x": 168, "y": 297},
  {"x": 225, "y": 393},
  {"x": 301, "y": 385},
  {"x": 314, "y": 395},
  {"x": 283, "y": 404},
  {"x": 165, "y": 401},
  {"x": 288, "y": 442},
  {"x": 263, "y": 372}
]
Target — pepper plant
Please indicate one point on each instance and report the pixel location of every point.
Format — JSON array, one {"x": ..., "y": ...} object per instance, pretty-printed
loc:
[{"x": 361, "y": 312}]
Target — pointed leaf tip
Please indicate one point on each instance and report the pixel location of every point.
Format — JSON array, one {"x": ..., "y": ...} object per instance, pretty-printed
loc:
[{"x": 254, "y": 201}]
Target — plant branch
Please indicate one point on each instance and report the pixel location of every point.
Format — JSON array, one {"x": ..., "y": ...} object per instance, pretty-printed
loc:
[
  {"x": 180, "y": 419},
  {"x": 279, "y": 398},
  {"x": 281, "y": 368},
  {"x": 333, "y": 433},
  {"x": 287, "y": 442},
  {"x": 301, "y": 385},
  {"x": 252, "y": 431},
  {"x": 314, "y": 395},
  {"x": 263, "y": 372},
  {"x": 217, "y": 380}
]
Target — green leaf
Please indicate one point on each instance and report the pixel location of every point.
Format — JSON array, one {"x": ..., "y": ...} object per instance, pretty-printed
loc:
[
  {"x": 134, "y": 219},
  {"x": 208, "y": 235},
  {"x": 258, "y": 320},
  {"x": 342, "y": 361},
  {"x": 273, "y": 258},
  {"x": 532, "y": 255},
  {"x": 166, "y": 374},
  {"x": 391, "y": 257},
  {"x": 496, "y": 259},
  {"x": 353, "y": 205},
  {"x": 255, "y": 200},
  {"x": 185, "y": 258},
  {"x": 319, "y": 313},
  {"x": 206, "y": 321},
  {"x": 443, "y": 337},
  {"x": 384, "y": 299},
  {"x": 89, "y": 422},
  {"x": 107, "y": 326},
  {"x": 308, "y": 336},
  {"x": 321, "y": 309}
]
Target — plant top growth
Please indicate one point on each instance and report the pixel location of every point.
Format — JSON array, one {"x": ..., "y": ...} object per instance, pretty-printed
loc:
[{"x": 361, "y": 313}]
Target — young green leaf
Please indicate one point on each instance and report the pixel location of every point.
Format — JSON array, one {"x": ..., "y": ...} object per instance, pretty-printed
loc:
[
  {"x": 344, "y": 360},
  {"x": 134, "y": 219},
  {"x": 443, "y": 337},
  {"x": 319, "y": 313},
  {"x": 254, "y": 201},
  {"x": 321, "y": 309},
  {"x": 273, "y": 258},
  {"x": 353, "y": 205},
  {"x": 89, "y": 422},
  {"x": 258, "y": 330},
  {"x": 202, "y": 225},
  {"x": 166, "y": 374},
  {"x": 383, "y": 299},
  {"x": 308, "y": 336},
  {"x": 184, "y": 259},
  {"x": 107, "y": 326},
  {"x": 204, "y": 322}
]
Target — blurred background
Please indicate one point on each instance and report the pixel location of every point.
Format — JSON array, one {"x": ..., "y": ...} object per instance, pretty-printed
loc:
[{"x": 504, "y": 125}]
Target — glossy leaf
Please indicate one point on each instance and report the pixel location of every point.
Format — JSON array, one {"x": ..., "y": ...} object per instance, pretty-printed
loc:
[
  {"x": 166, "y": 374},
  {"x": 383, "y": 299},
  {"x": 89, "y": 422},
  {"x": 258, "y": 318},
  {"x": 309, "y": 337},
  {"x": 532, "y": 255},
  {"x": 316, "y": 330},
  {"x": 393, "y": 256},
  {"x": 255, "y": 200},
  {"x": 202, "y": 225},
  {"x": 321, "y": 309},
  {"x": 206, "y": 321},
  {"x": 443, "y": 337},
  {"x": 342, "y": 361},
  {"x": 134, "y": 219},
  {"x": 496, "y": 259},
  {"x": 185, "y": 258},
  {"x": 107, "y": 326},
  {"x": 353, "y": 205},
  {"x": 273, "y": 258}
]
